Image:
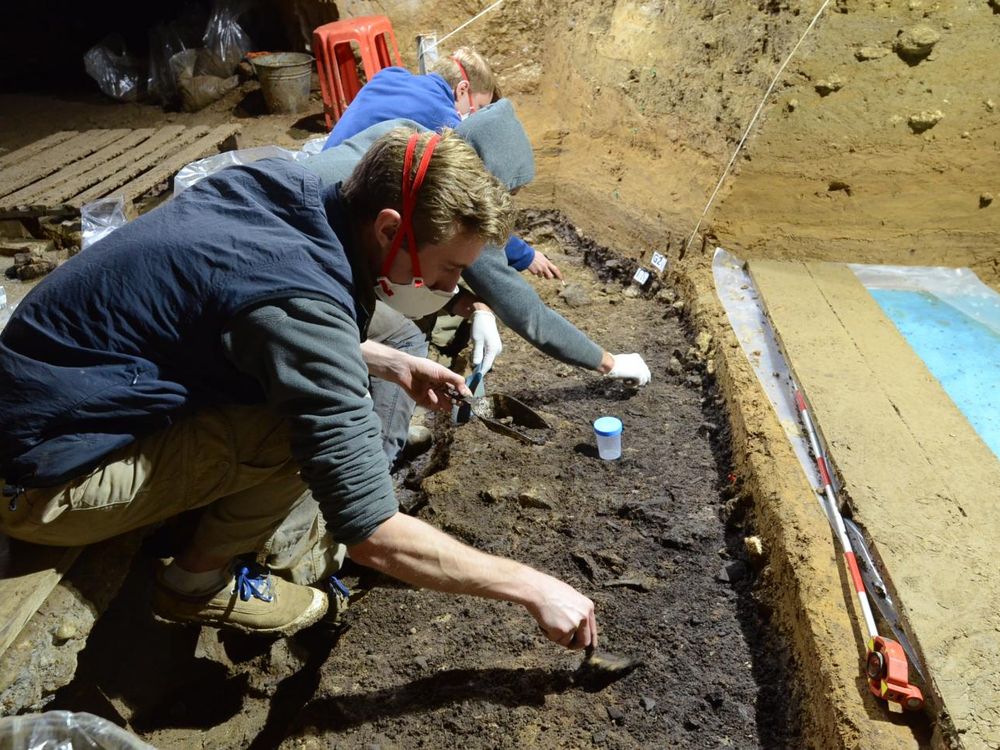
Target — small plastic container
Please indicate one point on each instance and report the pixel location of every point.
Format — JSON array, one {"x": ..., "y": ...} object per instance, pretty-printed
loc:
[{"x": 608, "y": 431}]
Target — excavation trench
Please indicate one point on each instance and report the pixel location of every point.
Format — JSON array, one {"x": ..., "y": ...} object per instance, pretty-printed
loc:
[{"x": 656, "y": 539}]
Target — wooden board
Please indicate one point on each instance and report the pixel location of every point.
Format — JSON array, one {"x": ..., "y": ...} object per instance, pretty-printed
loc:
[
  {"x": 60, "y": 174},
  {"x": 37, "y": 571},
  {"x": 915, "y": 474}
]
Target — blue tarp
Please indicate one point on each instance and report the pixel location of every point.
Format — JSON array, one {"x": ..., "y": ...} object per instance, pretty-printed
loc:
[{"x": 955, "y": 329}]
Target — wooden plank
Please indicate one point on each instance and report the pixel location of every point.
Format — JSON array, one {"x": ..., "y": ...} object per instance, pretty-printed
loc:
[
  {"x": 915, "y": 474},
  {"x": 38, "y": 570},
  {"x": 79, "y": 172},
  {"x": 166, "y": 169},
  {"x": 127, "y": 167},
  {"x": 53, "y": 159},
  {"x": 16, "y": 157},
  {"x": 116, "y": 172}
]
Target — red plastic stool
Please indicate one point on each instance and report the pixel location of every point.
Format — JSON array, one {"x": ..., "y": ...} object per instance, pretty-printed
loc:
[{"x": 335, "y": 61}]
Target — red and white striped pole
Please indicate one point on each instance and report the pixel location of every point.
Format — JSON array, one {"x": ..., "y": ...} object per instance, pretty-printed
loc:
[{"x": 833, "y": 513}]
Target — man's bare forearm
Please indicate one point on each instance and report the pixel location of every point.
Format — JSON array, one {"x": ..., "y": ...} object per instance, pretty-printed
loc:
[{"x": 415, "y": 552}]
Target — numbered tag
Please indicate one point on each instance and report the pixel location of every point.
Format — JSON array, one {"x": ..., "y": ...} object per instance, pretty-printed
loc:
[
  {"x": 659, "y": 262},
  {"x": 641, "y": 276}
]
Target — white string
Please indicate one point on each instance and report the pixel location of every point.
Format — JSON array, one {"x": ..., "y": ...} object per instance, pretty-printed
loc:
[
  {"x": 451, "y": 33},
  {"x": 753, "y": 120}
]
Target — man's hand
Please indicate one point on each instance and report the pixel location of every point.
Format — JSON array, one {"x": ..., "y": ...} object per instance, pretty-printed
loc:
[
  {"x": 423, "y": 380},
  {"x": 542, "y": 266},
  {"x": 486, "y": 343},
  {"x": 566, "y": 615},
  {"x": 629, "y": 368}
]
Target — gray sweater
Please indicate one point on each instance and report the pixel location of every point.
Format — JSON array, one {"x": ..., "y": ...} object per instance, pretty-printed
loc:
[{"x": 305, "y": 355}]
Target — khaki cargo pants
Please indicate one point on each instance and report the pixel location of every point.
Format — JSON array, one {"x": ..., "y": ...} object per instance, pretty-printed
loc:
[{"x": 233, "y": 461}]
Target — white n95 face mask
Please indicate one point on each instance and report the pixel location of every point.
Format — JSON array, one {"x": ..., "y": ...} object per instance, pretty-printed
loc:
[{"x": 415, "y": 299}]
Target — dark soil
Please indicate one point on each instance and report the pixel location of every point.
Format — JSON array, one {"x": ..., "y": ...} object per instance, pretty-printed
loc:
[{"x": 654, "y": 538}]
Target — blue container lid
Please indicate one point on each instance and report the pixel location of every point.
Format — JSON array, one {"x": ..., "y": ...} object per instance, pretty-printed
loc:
[{"x": 607, "y": 426}]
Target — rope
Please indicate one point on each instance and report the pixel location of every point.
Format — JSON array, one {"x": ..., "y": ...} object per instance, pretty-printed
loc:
[
  {"x": 753, "y": 121},
  {"x": 452, "y": 33}
]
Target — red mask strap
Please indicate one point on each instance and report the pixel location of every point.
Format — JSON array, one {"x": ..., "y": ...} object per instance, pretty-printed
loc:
[
  {"x": 409, "y": 195},
  {"x": 465, "y": 77}
]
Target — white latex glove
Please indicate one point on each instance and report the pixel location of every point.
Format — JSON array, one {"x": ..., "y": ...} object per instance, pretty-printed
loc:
[
  {"x": 630, "y": 368},
  {"x": 486, "y": 343}
]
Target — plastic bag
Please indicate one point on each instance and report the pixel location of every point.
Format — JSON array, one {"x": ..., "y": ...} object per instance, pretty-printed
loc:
[
  {"x": 198, "y": 88},
  {"x": 101, "y": 218},
  {"x": 199, "y": 170},
  {"x": 118, "y": 75},
  {"x": 165, "y": 41},
  {"x": 5, "y": 311},
  {"x": 65, "y": 730},
  {"x": 225, "y": 40}
]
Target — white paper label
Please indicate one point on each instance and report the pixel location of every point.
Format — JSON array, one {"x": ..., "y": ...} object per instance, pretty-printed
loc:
[
  {"x": 641, "y": 276},
  {"x": 659, "y": 262}
]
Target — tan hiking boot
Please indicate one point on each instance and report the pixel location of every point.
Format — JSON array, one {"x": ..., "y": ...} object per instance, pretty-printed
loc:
[{"x": 253, "y": 602}]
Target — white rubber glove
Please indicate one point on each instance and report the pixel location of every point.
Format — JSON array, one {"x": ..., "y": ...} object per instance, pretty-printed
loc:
[
  {"x": 486, "y": 343},
  {"x": 630, "y": 368}
]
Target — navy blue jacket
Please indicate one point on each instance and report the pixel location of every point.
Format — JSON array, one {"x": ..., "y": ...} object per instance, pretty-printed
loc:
[{"x": 125, "y": 337}]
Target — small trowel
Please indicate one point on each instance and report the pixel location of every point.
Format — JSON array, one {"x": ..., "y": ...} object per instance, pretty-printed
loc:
[{"x": 600, "y": 669}]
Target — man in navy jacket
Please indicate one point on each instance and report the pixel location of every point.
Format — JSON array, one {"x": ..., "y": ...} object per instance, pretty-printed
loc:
[{"x": 208, "y": 355}]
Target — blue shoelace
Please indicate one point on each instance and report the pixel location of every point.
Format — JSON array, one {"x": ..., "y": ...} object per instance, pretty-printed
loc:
[
  {"x": 254, "y": 581},
  {"x": 336, "y": 585}
]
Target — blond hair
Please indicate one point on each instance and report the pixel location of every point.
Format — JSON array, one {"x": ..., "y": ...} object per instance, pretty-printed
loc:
[
  {"x": 457, "y": 194},
  {"x": 481, "y": 78}
]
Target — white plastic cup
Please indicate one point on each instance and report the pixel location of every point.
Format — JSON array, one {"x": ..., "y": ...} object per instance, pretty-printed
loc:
[{"x": 608, "y": 431}]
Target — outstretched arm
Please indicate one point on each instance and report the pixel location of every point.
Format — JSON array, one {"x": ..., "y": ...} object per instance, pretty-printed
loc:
[{"x": 419, "y": 554}]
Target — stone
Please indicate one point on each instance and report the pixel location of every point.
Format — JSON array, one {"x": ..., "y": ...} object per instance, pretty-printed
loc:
[
  {"x": 922, "y": 121},
  {"x": 574, "y": 295},
  {"x": 65, "y": 631},
  {"x": 647, "y": 703},
  {"x": 631, "y": 291},
  {"x": 914, "y": 43},
  {"x": 674, "y": 366},
  {"x": 421, "y": 661},
  {"x": 498, "y": 493},
  {"x": 826, "y": 86},
  {"x": 732, "y": 572},
  {"x": 678, "y": 305},
  {"x": 36, "y": 248},
  {"x": 534, "y": 498},
  {"x": 791, "y": 105},
  {"x": 754, "y": 547},
  {"x": 703, "y": 341},
  {"x": 863, "y": 54},
  {"x": 985, "y": 199},
  {"x": 30, "y": 270},
  {"x": 615, "y": 715},
  {"x": 990, "y": 105},
  {"x": 419, "y": 438}
]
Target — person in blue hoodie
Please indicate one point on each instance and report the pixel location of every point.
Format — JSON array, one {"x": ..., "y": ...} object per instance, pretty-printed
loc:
[{"x": 454, "y": 87}]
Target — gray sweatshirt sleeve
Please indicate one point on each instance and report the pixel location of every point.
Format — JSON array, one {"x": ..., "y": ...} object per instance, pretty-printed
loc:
[
  {"x": 519, "y": 306},
  {"x": 306, "y": 356}
]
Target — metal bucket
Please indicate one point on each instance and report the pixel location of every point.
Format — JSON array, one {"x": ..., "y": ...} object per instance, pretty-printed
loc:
[{"x": 284, "y": 80}]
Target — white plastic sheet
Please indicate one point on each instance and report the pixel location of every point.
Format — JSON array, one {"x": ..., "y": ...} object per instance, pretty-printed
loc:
[
  {"x": 199, "y": 170},
  {"x": 760, "y": 345},
  {"x": 958, "y": 287}
]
